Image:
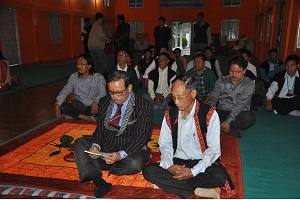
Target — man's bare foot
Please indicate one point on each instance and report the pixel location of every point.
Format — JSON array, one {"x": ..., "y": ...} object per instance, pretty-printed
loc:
[
  {"x": 69, "y": 117},
  {"x": 88, "y": 118}
]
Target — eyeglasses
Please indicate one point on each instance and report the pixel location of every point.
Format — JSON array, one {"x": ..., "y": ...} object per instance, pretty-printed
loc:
[
  {"x": 83, "y": 64},
  {"x": 122, "y": 55},
  {"x": 117, "y": 93},
  {"x": 162, "y": 60},
  {"x": 180, "y": 99}
]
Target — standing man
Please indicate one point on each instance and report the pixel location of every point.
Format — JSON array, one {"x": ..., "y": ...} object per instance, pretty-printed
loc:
[
  {"x": 283, "y": 95},
  {"x": 123, "y": 130},
  {"x": 96, "y": 43},
  {"x": 162, "y": 34},
  {"x": 85, "y": 33},
  {"x": 189, "y": 143},
  {"x": 233, "y": 94},
  {"x": 202, "y": 37},
  {"x": 122, "y": 34}
]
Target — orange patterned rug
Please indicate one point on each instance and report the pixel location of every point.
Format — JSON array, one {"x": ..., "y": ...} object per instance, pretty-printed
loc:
[{"x": 25, "y": 162}]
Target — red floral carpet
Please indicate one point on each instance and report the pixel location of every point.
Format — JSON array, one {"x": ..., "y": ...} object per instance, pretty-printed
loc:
[{"x": 25, "y": 164}]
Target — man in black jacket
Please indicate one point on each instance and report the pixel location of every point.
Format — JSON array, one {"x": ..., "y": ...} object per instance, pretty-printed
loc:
[{"x": 123, "y": 130}]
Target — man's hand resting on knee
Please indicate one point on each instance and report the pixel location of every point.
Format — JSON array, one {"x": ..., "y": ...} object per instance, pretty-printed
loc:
[{"x": 269, "y": 105}]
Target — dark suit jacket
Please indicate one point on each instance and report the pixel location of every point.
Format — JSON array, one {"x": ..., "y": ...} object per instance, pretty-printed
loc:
[
  {"x": 279, "y": 78},
  {"x": 136, "y": 134}
]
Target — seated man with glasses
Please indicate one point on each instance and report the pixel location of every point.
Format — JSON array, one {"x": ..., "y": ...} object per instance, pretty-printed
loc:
[
  {"x": 123, "y": 130},
  {"x": 88, "y": 87},
  {"x": 189, "y": 143},
  {"x": 122, "y": 58},
  {"x": 160, "y": 83}
]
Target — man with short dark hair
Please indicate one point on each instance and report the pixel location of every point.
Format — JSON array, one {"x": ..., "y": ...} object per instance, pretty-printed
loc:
[
  {"x": 189, "y": 143},
  {"x": 160, "y": 82},
  {"x": 205, "y": 78},
  {"x": 96, "y": 43},
  {"x": 85, "y": 33},
  {"x": 123, "y": 130},
  {"x": 212, "y": 62},
  {"x": 122, "y": 34},
  {"x": 162, "y": 34},
  {"x": 202, "y": 32},
  {"x": 232, "y": 96},
  {"x": 283, "y": 95},
  {"x": 270, "y": 67}
]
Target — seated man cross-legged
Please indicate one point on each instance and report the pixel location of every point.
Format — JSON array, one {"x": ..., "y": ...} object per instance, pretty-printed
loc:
[
  {"x": 283, "y": 96},
  {"x": 233, "y": 93},
  {"x": 189, "y": 143},
  {"x": 123, "y": 130},
  {"x": 88, "y": 87}
]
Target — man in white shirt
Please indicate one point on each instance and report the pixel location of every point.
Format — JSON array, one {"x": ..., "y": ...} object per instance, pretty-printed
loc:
[
  {"x": 247, "y": 56},
  {"x": 211, "y": 62},
  {"x": 160, "y": 82},
  {"x": 283, "y": 96},
  {"x": 189, "y": 143},
  {"x": 190, "y": 64},
  {"x": 152, "y": 66}
]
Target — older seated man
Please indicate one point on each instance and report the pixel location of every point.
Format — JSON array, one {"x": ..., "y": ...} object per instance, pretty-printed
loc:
[
  {"x": 189, "y": 143},
  {"x": 283, "y": 95},
  {"x": 232, "y": 96}
]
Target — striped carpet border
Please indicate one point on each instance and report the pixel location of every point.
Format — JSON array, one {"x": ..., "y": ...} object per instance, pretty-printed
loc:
[{"x": 28, "y": 191}]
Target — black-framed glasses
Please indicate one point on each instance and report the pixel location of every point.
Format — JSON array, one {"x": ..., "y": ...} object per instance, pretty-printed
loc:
[
  {"x": 117, "y": 93},
  {"x": 181, "y": 99}
]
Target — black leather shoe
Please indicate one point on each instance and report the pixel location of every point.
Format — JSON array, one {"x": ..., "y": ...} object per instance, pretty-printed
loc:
[
  {"x": 102, "y": 190},
  {"x": 235, "y": 133}
]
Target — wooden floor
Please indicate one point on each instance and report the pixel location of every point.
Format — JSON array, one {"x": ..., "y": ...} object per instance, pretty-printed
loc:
[{"x": 26, "y": 109}]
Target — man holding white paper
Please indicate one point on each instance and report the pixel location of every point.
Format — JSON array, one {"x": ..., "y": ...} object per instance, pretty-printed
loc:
[{"x": 123, "y": 130}]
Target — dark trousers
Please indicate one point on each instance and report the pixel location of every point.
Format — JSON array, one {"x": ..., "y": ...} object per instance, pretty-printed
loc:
[
  {"x": 243, "y": 120},
  {"x": 69, "y": 109},
  {"x": 284, "y": 106},
  {"x": 214, "y": 176},
  {"x": 90, "y": 169}
]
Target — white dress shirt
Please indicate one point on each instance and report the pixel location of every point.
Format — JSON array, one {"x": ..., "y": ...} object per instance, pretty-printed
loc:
[
  {"x": 288, "y": 85},
  {"x": 188, "y": 145},
  {"x": 252, "y": 68},
  {"x": 153, "y": 65},
  {"x": 162, "y": 86}
]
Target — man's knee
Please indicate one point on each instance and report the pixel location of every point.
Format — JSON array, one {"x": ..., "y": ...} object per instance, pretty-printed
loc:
[{"x": 148, "y": 171}]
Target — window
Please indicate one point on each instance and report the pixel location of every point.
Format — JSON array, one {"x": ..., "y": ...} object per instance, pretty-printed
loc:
[
  {"x": 270, "y": 19},
  {"x": 54, "y": 27},
  {"x": 231, "y": 3},
  {"x": 106, "y": 2},
  {"x": 181, "y": 3},
  {"x": 230, "y": 29},
  {"x": 298, "y": 38},
  {"x": 136, "y": 3}
]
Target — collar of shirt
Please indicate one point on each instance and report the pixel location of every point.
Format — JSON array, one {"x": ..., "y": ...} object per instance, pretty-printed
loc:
[
  {"x": 119, "y": 68},
  {"x": 164, "y": 70},
  {"x": 286, "y": 74},
  {"x": 123, "y": 108},
  {"x": 270, "y": 62},
  {"x": 192, "y": 113}
]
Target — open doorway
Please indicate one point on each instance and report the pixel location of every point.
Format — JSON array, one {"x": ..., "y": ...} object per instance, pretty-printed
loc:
[{"x": 182, "y": 37}]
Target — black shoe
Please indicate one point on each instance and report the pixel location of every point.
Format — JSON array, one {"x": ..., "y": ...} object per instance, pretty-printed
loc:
[
  {"x": 102, "y": 190},
  {"x": 235, "y": 133}
]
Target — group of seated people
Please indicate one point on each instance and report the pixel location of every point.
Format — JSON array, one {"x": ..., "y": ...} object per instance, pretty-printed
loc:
[{"x": 189, "y": 142}]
